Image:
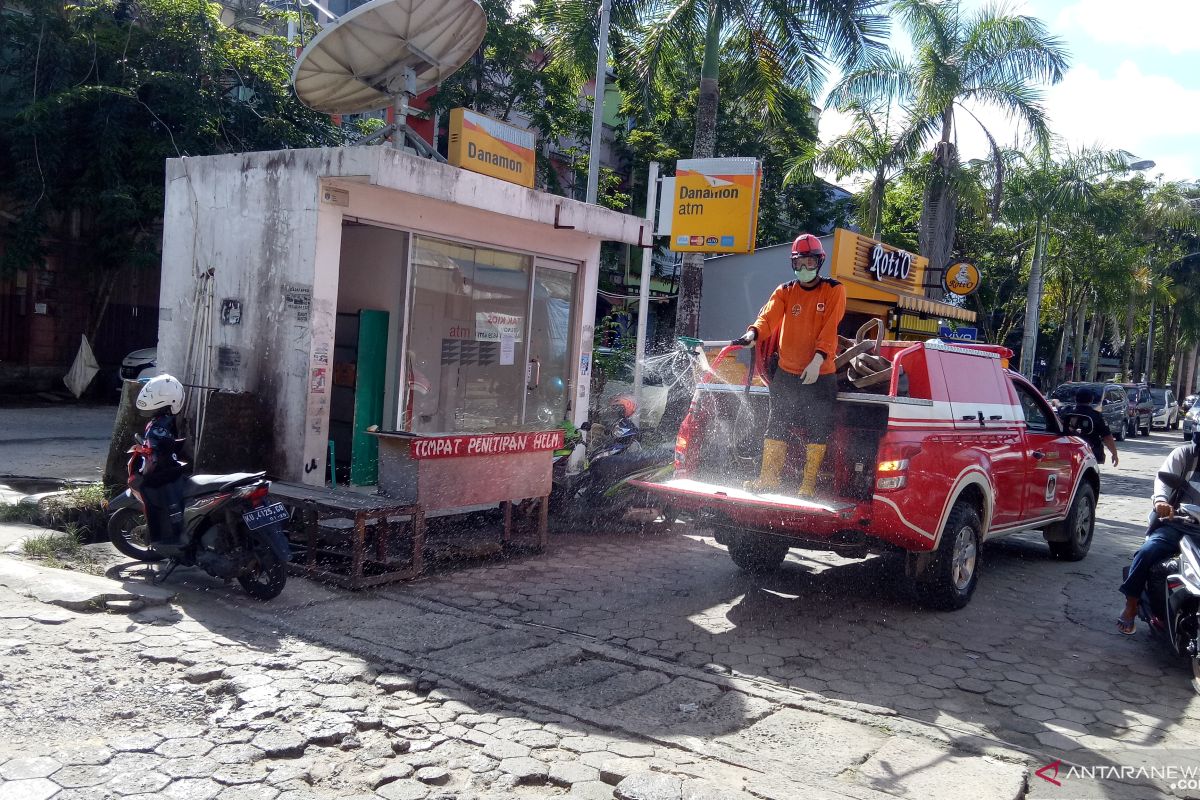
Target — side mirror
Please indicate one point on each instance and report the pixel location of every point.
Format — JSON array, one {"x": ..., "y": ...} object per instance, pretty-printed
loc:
[{"x": 137, "y": 437}]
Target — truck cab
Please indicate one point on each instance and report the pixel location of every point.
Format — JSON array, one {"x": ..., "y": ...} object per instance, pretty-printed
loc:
[{"x": 953, "y": 449}]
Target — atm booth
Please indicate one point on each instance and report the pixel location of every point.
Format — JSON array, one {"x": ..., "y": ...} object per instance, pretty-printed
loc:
[{"x": 365, "y": 289}]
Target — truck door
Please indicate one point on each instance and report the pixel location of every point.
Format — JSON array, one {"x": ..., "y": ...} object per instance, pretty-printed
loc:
[
  {"x": 1048, "y": 464},
  {"x": 985, "y": 421}
]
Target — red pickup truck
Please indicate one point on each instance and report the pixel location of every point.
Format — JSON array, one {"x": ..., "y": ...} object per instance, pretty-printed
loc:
[{"x": 952, "y": 451}]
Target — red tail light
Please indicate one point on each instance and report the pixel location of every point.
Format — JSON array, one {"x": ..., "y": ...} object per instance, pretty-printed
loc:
[
  {"x": 259, "y": 494},
  {"x": 686, "y": 429}
]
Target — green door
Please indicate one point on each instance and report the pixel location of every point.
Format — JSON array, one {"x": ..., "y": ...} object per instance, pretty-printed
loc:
[{"x": 368, "y": 395}]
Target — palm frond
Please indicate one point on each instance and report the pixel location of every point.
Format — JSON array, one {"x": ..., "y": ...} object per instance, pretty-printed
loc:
[
  {"x": 887, "y": 78},
  {"x": 1012, "y": 48}
]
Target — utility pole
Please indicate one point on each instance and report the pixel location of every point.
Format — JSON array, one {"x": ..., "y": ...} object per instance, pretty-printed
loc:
[
  {"x": 643, "y": 318},
  {"x": 598, "y": 104}
]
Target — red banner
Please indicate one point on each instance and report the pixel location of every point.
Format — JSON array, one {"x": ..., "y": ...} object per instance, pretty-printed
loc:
[{"x": 485, "y": 444}]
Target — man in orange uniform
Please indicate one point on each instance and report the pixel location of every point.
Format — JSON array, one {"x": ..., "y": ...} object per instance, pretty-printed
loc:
[{"x": 805, "y": 312}]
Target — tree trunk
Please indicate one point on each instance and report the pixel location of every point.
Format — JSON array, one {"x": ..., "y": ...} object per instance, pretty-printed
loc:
[
  {"x": 1098, "y": 324},
  {"x": 1170, "y": 348},
  {"x": 875, "y": 210},
  {"x": 1128, "y": 350},
  {"x": 940, "y": 207},
  {"x": 1033, "y": 305},
  {"x": 1077, "y": 344},
  {"x": 691, "y": 271},
  {"x": 1054, "y": 371}
]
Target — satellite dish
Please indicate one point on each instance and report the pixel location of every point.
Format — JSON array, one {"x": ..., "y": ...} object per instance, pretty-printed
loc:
[{"x": 385, "y": 49}]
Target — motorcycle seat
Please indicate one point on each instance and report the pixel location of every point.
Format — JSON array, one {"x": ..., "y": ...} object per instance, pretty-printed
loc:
[{"x": 212, "y": 484}]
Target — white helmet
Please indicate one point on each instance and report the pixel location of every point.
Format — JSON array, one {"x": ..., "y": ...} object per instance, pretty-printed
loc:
[{"x": 161, "y": 391}]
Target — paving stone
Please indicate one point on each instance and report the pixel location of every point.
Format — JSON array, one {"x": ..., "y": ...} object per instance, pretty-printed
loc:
[
  {"x": 136, "y": 743},
  {"x": 203, "y": 673},
  {"x": 403, "y": 790},
  {"x": 434, "y": 776},
  {"x": 93, "y": 755},
  {"x": 592, "y": 790},
  {"x": 254, "y": 792},
  {"x": 392, "y": 772},
  {"x": 31, "y": 789},
  {"x": 615, "y": 770},
  {"x": 568, "y": 773},
  {"x": 575, "y": 676},
  {"x": 84, "y": 775},
  {"x": 536, "y": 738},
  {"x": 630, "y": 749},
  {"x": 21, "y": 769},
  {"x": 327, "y": 728},
  {"x": 235, "y": 754},
  {"x": 183, "y": 748},
  {"x": 280, "y": 743},
  {"x": 197, "y": 789},
  {"x": 500, "y": 749},
  {"x": 696, "y": 789},
  {"x": 622, "y": 687},
  {"x": 649, "y": 786},
  {"x": 582, "y": 744},
  {"x": 525, "y": 770},
  {"x": 391, "y": 682},
  {"x": 825, "y": 745},
  {"x": 912, "y": 769},
  {"x": 973, "y": 685},
  {"x": 240, "y": 774},
  {"x": 138, "y": 783},
  {"x": 195, "y": 767}
]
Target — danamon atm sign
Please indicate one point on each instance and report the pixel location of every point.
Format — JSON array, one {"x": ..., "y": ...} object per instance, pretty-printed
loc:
[{"x": 491, "y": 147}]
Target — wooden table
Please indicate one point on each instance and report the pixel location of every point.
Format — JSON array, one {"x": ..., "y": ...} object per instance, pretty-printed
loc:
[{"x": 313, "y": 504}]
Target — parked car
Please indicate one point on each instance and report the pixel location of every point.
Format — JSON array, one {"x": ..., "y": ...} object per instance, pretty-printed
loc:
[
  {"x": 1141, "y": 409},
  {"x": 951, "y": 451},
  {"x": 140, "y": 364},
  {"x": 1186, "y": 403},
  {"x": 1191, "y": 422},
  {"x": 1166, "y": 410},
  {"x": 1107, "y": 398}
]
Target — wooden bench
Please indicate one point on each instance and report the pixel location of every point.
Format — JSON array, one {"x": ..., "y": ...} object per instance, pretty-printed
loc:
[{"x": 312, "y": 505}]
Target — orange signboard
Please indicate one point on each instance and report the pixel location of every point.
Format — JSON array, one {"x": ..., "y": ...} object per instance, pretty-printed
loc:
[
  {"x": 491, "y": 147},
  {"x": 715, "y": 207}
]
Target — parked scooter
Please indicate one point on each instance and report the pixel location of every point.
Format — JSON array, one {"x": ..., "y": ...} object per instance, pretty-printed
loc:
[
  {"x": 595, "y": 484},
  {"x": 228, "y": 529},
  {"x": 1170, "y": 603}
]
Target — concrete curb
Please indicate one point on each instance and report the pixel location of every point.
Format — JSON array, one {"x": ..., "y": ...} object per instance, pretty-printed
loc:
[{"x": 77, "y": 591}]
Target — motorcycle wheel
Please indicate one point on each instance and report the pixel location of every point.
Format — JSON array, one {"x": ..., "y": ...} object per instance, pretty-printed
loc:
[
  {"x": 128, "y": 532},
  {"x": 268, "y": 578}
]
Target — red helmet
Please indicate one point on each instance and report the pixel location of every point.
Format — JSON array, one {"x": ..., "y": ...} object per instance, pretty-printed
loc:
[
  {"x": 624, "y": 405},
  {"x": 808, "y": 245}
]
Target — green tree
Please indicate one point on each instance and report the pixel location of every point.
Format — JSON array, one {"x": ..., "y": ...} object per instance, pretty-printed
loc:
[
  {"x": 990, "y": 57},
  {"x": 771, "y": 47},
  {"x": 94, "y": 98}
]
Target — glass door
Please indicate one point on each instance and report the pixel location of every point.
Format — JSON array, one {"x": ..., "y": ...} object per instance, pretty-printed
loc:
[{"x": 549, "y": 385}]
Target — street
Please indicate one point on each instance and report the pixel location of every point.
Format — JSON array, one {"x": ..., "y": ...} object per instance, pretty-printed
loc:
[{"x": 644, "y": 665}]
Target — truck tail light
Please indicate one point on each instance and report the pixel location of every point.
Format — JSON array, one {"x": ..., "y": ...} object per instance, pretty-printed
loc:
[
  {"x": 686, "y": 429},
  {"x": 891, "y": 471}
]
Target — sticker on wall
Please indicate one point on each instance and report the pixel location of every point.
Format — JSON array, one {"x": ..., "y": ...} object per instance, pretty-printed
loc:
[
  {"x": 316, "y": 383},
  {"x": 585, "y": 366},
  {"x": 321, "y": 354},
  {"x": 508, "y": 350},
  {"x": 231, "y": 311},
  {"x": 229, "y": 359},
  {"x": 298, "y": 298}
]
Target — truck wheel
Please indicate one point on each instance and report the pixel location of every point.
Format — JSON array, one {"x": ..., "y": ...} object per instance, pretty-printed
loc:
[
  {"x": 1078, "y": 526},
  {"x": 1145, "y": 429},
  {"x": 952, "y": 575},
  {"x": 1120, "y": 434},
  {"x": 756, "y": 553}
]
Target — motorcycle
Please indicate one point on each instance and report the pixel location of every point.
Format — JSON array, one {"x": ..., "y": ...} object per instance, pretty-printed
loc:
[
  {"x": 229, "y": 529},
  {"x": 596, "y": 486},
  {"x": 1170, "y": 603}
]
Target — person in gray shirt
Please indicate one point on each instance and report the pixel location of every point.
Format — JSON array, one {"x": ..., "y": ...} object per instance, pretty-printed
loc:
[{"x": 1163, "y": 535}]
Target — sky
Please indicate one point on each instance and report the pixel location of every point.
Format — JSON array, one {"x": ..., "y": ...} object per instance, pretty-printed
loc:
[{"x": 1133, "y": 84}]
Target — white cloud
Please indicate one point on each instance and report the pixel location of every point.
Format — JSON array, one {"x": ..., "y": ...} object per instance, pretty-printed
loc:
[{"x": 1169, "y": 25}]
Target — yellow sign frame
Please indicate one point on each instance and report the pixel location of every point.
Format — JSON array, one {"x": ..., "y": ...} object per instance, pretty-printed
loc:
[
  {"x": 486, "y": 145},
  {"x": 715, "y": 205}
]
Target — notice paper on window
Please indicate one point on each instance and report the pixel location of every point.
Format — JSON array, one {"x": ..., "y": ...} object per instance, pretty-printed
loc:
[{"x": 508, "y": 350}]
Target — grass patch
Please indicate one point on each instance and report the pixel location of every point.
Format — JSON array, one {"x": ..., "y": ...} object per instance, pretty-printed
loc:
[
  {"x": 17, "y": 512},
  {"x": 61, "y": 550}
]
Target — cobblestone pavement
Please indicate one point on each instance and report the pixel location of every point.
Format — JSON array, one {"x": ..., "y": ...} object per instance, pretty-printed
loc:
[{"x": 642, "y": 662}]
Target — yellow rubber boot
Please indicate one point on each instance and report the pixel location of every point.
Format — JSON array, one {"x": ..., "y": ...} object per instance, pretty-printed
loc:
[
  {"x": 812, "y": 465},
  {"x": 774, "y": 453}
]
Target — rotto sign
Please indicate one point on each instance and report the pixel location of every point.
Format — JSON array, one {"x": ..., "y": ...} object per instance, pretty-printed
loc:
[
  {"x": 890, "y": 264},
  {"x": 962, "y": 279},
  {"x": 491, "y": 147}
]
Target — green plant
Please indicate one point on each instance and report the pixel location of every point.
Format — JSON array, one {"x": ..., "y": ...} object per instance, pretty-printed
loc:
[
  {"x": 61, "y": 550},
  {"x": 17, "y": 512}
]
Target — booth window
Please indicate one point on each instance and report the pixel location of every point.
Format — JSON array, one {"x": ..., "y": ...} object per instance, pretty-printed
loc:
[{"x": 467, "y": 338}]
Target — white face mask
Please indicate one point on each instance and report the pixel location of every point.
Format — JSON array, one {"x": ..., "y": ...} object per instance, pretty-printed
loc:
[{"x": 806, "y": 275}]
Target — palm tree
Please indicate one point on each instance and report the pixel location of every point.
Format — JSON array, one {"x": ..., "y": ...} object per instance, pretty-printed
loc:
[
  {"x": 990, "y": 57},
  {"x": 869, "y": 146},
  {"x": 773, "y": 45}
]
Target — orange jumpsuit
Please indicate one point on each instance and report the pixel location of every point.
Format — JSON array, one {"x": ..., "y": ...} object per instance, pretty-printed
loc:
[{"x": 807, "y": 321}]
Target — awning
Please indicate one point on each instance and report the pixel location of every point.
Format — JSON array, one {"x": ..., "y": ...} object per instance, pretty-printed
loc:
[{"x": 932, "y": 308}]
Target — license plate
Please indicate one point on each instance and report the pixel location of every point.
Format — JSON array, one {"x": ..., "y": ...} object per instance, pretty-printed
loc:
[{"x": 265, "y": 515}]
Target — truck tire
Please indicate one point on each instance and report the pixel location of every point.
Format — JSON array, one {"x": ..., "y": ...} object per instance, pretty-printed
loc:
[
  {"x": 755, "y": 553},
  {"x": 1120, "y": 434},
  {"x": 1145, "y": 429},
  {"x": 1079, "y": 526},
  {"x": 952, "y": 575}
]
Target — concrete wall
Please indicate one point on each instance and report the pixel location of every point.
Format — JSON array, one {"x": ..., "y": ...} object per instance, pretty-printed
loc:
[{"x": 270, "y": 229}]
